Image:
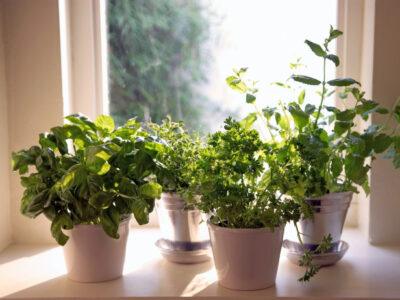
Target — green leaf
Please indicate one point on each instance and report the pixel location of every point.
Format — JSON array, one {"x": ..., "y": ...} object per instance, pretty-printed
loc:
[
  {"x": 282, "y": 122},
  {"x": 105, "y": 123},
  {"x": 334, "y": 33},
  {"x": 81, "y": 121},
  {"x": 60, "y": 222},
  {"x": 382, "y": 142},
  {"x": 67, "y": 180},
  {"x": 140, "y": 209},
  {"x": 306, "y": 79},
  {"x": 336, "y": 166},
  {"x": 110, "y": 219},
  {"x": 366, "y": 188},
  {"x": 334, "y": 59},
  {"x": 150, "y": 190},
  {"x": 236, "y": 84},
  {"x": 317, "y": 49},
  {"x": 250, "y": 98},
  {"x": 355, "y": 169},
  {"x": 342, "y": 82},
  {"x": 301, "y": 119},
  {"x": 96, "y": 159},
  {"x": 101, "y": 200},
  {"x": 248, "y": 121},
  {"x": 268, "y": 112},
  {"x": 47, "y": 141},
  {"x": 32, "y": 205},
  {"x": 345, "y": 115},
  {"x": 301, "y": 97},
  {"x": 342, "y": 126}
]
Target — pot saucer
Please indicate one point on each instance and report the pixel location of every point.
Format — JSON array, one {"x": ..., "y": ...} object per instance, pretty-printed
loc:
[
  {"x": 295, "y": 251},
  {"x": 183, "y": 256}
]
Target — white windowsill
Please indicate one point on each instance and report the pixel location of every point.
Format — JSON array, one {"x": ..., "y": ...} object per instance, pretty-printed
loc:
[{"x": 366, "y": 271}]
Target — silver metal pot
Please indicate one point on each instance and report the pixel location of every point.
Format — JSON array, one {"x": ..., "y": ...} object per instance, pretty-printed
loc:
[
  {"x": 330, "y": 213},
  {"x": 181, "y": 228}
]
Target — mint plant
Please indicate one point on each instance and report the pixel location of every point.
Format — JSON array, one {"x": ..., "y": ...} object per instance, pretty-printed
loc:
[
  {"x": 319, "y": 149},
  {"x": 89, "y": 172},
  {"x": 327, "y": 152}
]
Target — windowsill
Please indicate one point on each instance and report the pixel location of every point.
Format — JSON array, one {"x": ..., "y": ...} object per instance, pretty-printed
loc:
[{"x": 366, "y": 271}]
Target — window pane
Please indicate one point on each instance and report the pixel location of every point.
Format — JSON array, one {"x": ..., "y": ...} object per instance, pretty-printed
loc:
[{"x": 172, "y": 56}]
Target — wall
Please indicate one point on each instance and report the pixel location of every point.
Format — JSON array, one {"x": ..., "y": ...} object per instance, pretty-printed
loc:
[
  {"x": 5, "y": 224},
  {"x": 33, "y": 68},
  {"x": 384, "y": 219}
]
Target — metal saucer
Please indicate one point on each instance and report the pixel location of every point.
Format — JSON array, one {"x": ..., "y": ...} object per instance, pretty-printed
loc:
[
  {"x": 183, "y": 256},
  {"x": 295, "y": 251}
]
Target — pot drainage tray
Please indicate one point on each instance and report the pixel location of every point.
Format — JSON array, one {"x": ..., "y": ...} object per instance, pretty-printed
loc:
[
  {"x": 183, "y": 256},
  {"x": 295, "y": 251}
]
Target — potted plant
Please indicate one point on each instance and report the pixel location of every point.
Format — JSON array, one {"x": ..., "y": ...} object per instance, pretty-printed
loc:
[
  {"x": 237, "y": 182},
  {"x": 323, "y": 154},
  {"x": 88, "y": 178},
  {"x": 184, "y": 234}
]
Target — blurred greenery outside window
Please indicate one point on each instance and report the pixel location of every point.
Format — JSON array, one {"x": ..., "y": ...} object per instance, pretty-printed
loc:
[{"x": 171, "y": 57}]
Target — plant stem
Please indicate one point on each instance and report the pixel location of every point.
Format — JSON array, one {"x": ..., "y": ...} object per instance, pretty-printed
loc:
[
  {"x": 298, "y": 234},
  {"x": 322, "y": 94}
]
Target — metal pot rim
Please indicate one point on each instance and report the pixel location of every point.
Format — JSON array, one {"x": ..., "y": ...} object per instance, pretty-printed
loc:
[{"x": 243, "y": 230}]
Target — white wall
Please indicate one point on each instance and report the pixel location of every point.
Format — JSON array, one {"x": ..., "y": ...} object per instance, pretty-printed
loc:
[
  {"x": 33, "y": 68},
  {"x": 384, "y": 221},
  {"x": 5, "y": 224}
]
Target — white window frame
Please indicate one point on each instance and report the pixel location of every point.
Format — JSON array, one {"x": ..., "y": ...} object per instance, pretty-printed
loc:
[{"x": 86, "y": 65}]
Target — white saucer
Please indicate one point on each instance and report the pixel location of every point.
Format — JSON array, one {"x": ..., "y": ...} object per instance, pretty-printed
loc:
[
  {"x": 181, "y": 256},
  {"x": 295, "y": 251}
]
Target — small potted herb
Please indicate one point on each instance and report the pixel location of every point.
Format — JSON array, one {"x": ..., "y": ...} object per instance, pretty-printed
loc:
[
  {"x": 237, "y": 182},
  {"x": 88, "y": 178},
  {"x": 184, "y": 234},
  {"x": 323, "y": 154}
]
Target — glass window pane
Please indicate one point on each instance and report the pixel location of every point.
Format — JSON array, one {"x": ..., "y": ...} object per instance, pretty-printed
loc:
[{"x": 172, "y": 56}]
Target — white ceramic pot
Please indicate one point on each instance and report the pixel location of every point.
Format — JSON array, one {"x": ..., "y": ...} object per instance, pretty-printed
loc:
[
  {"x": 92, "y": 256},
  {"x": 246, "y": 259}
]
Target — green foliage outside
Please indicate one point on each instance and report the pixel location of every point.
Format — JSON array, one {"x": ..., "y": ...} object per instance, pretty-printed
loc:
[{"x": 157, "y": 60}]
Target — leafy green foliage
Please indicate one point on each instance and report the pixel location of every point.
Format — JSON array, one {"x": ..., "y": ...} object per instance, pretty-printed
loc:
[
  {"x": 89, "y": 172},
  {"x": 157, "y": 59},
  {"x": 306, "y": 259},
  {"x": 237, "y": 188},
  {"x": 178, "y": 154},
  {"x": 327, "y": 159},
  {"x": 319, "y": 150}
]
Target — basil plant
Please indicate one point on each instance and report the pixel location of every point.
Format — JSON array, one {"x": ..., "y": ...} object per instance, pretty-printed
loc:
[{"x": 88, "y": 172}]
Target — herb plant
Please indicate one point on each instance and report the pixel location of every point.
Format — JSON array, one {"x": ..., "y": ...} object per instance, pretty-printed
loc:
[
  {"x": 328, "y": 152},
  {"x": 319, "y": 149},
  {"x": 231, "y": 178},
  {"x": 178, "y": 154},
  {"x": 89, "y": 172}
]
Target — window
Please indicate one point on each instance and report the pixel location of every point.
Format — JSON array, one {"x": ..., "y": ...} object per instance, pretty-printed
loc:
[{"x": 172, "y": 57}]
